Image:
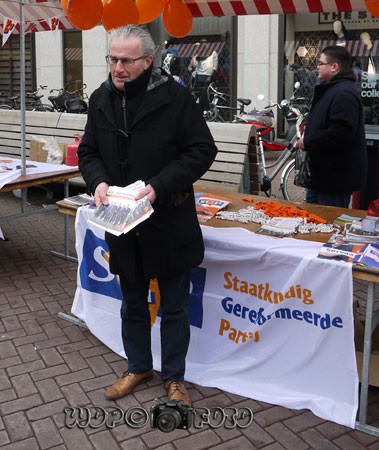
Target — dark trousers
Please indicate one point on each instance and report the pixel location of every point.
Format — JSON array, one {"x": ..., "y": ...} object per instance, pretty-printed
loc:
[
  {"x": 175, "y": 328},
  {"x": 341, "y": 200}
]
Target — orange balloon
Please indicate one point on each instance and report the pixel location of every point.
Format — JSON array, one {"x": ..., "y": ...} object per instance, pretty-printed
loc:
[
  {"x": 117, "y": 13},
  {"x": 84, "y": 14},
  {"x": 149, "y": 9},
  {"x": 177, "y": 18},
  {"x": 373, "y": 7},
  {"x": 64, "y": 5}
]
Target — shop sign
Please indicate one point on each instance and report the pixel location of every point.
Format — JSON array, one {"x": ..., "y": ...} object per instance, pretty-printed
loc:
[{"x": 349, "y": 17}]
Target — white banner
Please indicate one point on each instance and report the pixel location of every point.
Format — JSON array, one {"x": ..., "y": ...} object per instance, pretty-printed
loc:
[{"x": 269, "y": 320}]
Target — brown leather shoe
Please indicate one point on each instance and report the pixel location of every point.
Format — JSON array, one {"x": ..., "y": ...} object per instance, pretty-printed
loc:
[
  {"x": 125, "y": 385},
  {"x": 177, "y": 391}
]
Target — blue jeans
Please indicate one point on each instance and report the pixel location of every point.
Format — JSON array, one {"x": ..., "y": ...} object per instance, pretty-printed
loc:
[
  {"x": 175, "y": 327},
  {"x": 341, "y": 200}
]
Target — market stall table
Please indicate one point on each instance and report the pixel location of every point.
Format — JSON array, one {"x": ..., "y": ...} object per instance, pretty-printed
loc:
[
  {"x": 40, "y": 175},
  {"x": 329, "y": 213}
]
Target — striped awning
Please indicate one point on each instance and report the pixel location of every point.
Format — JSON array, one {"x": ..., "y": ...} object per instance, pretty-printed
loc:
[
  {"x": 39, "y": 13},
  {"x": 203, "y": 8},
  {"x": 203, "y": 49}
]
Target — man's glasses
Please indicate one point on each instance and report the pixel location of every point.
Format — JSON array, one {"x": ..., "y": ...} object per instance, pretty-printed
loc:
[
  {"x": 320, "y": 63},
  {"x": 126, "y": 62}
]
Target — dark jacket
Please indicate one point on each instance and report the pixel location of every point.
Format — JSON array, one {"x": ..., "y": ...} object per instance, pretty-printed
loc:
[
  {"x": 335, "y": 137},
  {"x": 168, "y": 145}
]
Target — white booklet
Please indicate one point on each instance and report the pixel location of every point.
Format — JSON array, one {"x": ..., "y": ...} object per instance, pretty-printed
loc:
[{"x": 123, "y": 212}]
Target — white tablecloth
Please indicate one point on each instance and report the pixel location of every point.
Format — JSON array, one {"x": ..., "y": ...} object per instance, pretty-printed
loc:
[{"x": 269, "y": 320}]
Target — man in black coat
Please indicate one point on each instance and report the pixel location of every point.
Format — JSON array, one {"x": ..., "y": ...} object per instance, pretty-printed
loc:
[
  {"x": 334, "y": 133},
  {"x": 142, "y": 125}
]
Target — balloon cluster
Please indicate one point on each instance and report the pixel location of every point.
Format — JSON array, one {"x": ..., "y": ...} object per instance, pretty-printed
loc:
[
  {"x": 86, "y": 14},
  {"x": 372, "y": 7}
]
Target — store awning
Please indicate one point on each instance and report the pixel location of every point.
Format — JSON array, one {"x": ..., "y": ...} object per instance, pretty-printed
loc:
[
  {"x": 203, "y": 8},
  {"x": 203, "y": 49},
  {"x": 39, "y": 15}
]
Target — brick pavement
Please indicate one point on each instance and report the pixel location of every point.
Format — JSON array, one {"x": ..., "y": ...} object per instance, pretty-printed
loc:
[{"x": 47, "y": 364}]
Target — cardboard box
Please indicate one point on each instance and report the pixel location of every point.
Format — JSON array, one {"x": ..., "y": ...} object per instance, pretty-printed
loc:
[
  {"x": 38, "y": 153},
  {"x": 374, "y": 359}
]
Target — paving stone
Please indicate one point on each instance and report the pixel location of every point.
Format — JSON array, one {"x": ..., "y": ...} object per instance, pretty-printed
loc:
[
  {"x": 240, "y": 443},
  {"x": 22, "y": 404},
  {"x": 17, "y": 426},
  {"x": 98, "y": 365},
  {"x": 28, "y": 352},
  {"x": 75, "y": 377},
  {"x": 49, "y": 390},
  {"x": 346, "y": 442},
  {"x": 7, "y": 395},
  {"x": 23, "y": 385},
  {"x": 286, "y": 437},
  {"x": 104, "y": 440},
  {"x": 303, "y": 421},
  {"x": 4, "y": 438},
  {"x": 272, "y": 415},
  {"x": 75, "y": 361},
  {"x": 75, "y": 395},
  {"x": 75, "y": 439},
  {"x": 7, "y": 349},
  {"x": 257, "y": 435},
  {"x": 137, "y": 444},
  {"x": 51, "y": 357},
  {"x": 4, "y": 380},
  {"x": 46, "y": 433},
  {"x": 27, "y": 444},
  {"x": 50, "y": 372}
]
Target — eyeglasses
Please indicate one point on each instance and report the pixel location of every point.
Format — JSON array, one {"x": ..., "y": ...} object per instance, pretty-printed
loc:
[
  {"x": 320, "y": 63},
  {"x": 126, "y": 62}
]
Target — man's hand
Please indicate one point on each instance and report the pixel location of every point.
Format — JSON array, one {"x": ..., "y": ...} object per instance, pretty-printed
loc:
[
  {"x": 101, "y": 194},
  {"x": 147, "y": 191},
  {"x": 300, "y": 143}
]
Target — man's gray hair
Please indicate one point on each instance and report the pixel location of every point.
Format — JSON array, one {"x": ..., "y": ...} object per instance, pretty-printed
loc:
[{"x": 148, "y": 45}]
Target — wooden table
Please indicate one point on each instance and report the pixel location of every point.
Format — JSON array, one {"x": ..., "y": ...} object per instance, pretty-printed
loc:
[{"x": 25, "y": 181}]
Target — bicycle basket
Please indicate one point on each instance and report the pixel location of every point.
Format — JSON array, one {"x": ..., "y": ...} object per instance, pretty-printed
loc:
[{"x": 76, "y": 105}]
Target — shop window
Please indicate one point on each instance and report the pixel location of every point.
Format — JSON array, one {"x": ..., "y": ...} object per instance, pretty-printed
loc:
[
  {"x": 301, "y": 64},
  {"x": 73, "y": 61},
  {"x": 198, "y": 61},
  {"x": 10, "y": 66}
]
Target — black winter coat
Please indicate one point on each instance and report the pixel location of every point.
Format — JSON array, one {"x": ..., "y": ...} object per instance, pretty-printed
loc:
[
  {"x": 335, "y": 137},
  {"x": 169, "y": 146}
]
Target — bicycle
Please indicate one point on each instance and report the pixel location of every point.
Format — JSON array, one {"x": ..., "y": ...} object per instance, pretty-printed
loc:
[
  {"x": 219, "y": 103},
  {"x": 69, "y": 101},
  {"x": 35, "y": 103},
  {"x": 14, "y": 103},
  {"x": 285, "y": 163}
]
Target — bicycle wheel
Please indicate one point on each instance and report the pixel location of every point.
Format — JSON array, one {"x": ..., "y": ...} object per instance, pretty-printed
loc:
[{"x": 289, "y": 189}]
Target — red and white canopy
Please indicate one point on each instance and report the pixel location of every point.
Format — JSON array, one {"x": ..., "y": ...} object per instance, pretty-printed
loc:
[
  {"x": 39, "y": 14},
  {"x": 203, "y": 8}
]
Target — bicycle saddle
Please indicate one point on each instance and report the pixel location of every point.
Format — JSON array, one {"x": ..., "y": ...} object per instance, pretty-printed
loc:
[{"x": 244, "y": 101}]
